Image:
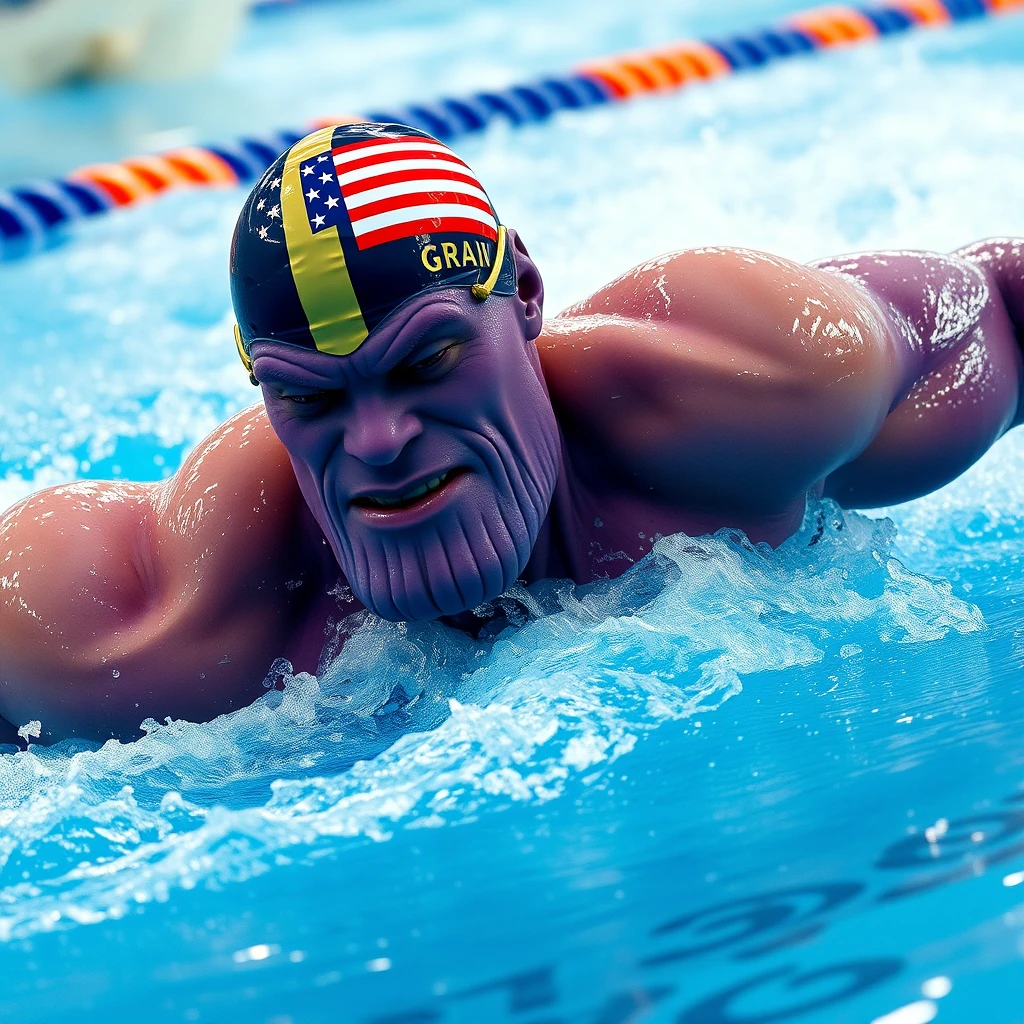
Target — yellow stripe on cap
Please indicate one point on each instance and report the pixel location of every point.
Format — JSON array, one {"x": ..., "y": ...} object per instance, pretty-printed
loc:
[{"x": 318, "y": 260}]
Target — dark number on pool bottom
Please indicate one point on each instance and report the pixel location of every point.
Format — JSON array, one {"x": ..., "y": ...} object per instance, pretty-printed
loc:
[
  {"x": 766, "y": 923},
  {"x": 813, "y": 990}
]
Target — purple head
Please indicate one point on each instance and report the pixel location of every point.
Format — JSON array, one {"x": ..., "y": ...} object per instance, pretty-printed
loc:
[
  {"x": 429, "y": 454},
  {"x": 390, "y": 319}
]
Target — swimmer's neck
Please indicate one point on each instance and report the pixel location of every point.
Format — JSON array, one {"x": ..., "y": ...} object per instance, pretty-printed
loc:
[
  {"x": 595, "y": 531},
  {"x": 564, "y": 545}
]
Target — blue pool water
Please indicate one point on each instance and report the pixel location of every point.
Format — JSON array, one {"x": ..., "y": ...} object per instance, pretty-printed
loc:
[{"x": 733, "y": 786}]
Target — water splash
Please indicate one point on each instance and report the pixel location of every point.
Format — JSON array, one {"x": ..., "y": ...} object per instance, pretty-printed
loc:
[{"x": 420, "y": 726}]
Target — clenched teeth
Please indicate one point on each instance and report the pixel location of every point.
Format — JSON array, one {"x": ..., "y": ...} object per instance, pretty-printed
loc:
[{"x": 413, "y": 495}]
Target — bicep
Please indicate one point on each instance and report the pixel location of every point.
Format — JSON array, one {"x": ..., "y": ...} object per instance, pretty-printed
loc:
[
  {"x": 961, "y": 388},
  {"x": 744, "y": 381}
]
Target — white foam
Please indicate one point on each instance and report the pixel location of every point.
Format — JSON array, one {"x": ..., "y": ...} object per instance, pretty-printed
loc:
[{"x": 415, "y": 726}]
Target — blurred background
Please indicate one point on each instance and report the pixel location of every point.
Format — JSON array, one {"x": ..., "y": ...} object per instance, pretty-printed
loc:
[{"x": 92, "y": 80}]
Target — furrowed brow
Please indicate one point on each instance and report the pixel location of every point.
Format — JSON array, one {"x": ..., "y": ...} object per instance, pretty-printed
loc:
[
  {"x": 275, "y": 372},
  {"x": 424, "y": 329}
]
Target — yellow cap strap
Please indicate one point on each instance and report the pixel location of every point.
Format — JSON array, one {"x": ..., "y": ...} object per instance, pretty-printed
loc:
[
  {"x": 244, "y": 356},
  {"x": 482, "y": 291}
]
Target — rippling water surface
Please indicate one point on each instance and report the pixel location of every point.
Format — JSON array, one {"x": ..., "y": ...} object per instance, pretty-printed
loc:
[{"x": 735, "y": 785}]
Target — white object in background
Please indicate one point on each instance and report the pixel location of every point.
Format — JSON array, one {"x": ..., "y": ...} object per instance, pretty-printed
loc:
[{"x": 46, "y": 41}]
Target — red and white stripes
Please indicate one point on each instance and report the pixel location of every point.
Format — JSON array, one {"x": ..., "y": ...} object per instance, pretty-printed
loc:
[{"x": 410, "y": 186}]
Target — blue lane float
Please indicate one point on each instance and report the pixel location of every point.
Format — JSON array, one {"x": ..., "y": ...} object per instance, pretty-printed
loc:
[{"x": 32, "y": 214}]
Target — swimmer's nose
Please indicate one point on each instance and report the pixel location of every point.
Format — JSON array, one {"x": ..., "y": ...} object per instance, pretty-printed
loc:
[{"x": 377, "y": 431}]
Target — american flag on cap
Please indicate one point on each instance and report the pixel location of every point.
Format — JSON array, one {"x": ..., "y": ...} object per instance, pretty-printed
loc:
[
  {"x": 353, "y": 221},
  {"x": 396, "y": 188}
]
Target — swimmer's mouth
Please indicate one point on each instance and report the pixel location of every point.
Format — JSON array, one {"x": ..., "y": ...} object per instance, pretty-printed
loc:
[{"x": 380, "y": 503}]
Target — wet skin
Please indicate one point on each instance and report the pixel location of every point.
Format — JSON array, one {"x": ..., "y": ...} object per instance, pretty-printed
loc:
[{"x": 710, "y": 388}]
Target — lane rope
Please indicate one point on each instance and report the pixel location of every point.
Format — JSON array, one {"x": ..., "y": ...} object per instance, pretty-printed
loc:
[{"x": 33, "y": 213}]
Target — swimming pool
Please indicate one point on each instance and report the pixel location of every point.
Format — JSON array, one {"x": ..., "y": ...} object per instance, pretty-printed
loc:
[{"x": 732, "y": 786}]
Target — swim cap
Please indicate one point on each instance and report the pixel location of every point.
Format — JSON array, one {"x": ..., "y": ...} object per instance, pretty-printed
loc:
[{"x": 350, "y": 223}]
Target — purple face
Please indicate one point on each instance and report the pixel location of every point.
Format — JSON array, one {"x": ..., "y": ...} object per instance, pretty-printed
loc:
[{"x": 428, "y": 456}]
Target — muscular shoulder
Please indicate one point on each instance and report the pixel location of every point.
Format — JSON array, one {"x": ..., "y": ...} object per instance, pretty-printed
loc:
[
  {"x": 724, "y": 355},
  {"x": 237, "y": 479},
  {"x": 156, "y": 586},
  {"x": 724, "y": 311},
  {"x": 55, "y": 549},
  {"x": 122, "y": 532}
]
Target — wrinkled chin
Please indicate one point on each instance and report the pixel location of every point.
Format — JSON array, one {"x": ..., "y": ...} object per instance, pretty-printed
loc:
[
  {"x": 468, "y": 553},
  {"x": 459, "y": 560}
]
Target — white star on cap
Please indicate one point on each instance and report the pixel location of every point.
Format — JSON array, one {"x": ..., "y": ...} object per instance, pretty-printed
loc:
[
  {"x": 276, "y": 183},
  {"x": 263, "y": 232},
  {"x": 325, "y": 177},
  {"x": 318, "y": 220},
  {"x": 312, "y": 194},
  {"x": 321, "y": 158},
  {"x": 308, "y": 169},
  {"x": 332, "y": 202},
  {"x": 274, "y": 212},
  {"x": 261, "y": 204}
]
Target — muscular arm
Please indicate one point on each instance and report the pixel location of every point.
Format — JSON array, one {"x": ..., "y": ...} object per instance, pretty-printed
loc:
[
  {"x": 959, "y": 320},
  {"x": 726, "y": 380},
  {"x": 123, "y": 601},
  {"x": 734, "y": 382}
]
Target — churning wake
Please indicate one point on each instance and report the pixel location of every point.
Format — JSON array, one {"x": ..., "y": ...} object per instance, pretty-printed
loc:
[{"x": 420, "y": 726}]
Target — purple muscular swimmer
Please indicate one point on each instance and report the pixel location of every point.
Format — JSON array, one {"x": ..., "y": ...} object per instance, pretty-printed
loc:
[{"x": 427, "y": 439}]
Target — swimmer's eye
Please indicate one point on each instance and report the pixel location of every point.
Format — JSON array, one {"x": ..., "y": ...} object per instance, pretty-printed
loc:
[
  {"x": 307, "y": 398},
  {"x": 434, "y": 365}
]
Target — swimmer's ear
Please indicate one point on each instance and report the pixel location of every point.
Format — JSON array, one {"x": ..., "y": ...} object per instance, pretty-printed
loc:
[{"x": 530, "y": 287}]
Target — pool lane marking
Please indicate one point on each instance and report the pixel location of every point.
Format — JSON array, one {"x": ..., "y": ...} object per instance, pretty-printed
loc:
[{"x": 32, "y": 213}]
